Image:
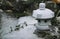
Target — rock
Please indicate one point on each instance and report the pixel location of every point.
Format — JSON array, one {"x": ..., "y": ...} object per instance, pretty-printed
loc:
[
  {"x": 58, "y": 18},
  {"x": 50, "y": 37},
  {"x": 8, "y": 11},
  {"x": 1, "y": 10}
]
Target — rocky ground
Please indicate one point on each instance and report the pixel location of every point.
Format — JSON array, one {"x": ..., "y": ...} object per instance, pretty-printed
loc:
[{"x": 26, "y": 32}]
